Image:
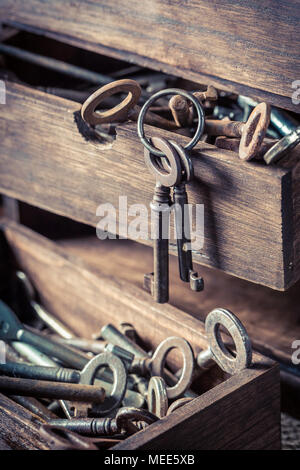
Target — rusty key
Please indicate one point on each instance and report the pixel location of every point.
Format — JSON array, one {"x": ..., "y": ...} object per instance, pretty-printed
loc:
[
  {"x": 182, "y": 221},
  {"x": 126, "y": 110},
  {"x": 252, "y": 132},
  {"x": 160, "y": 215}
]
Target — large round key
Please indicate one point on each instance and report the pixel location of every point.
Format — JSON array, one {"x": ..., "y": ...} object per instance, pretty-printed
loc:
[{"x": 218, "y": 351}]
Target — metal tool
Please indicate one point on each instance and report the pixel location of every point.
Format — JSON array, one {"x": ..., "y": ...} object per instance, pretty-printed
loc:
[
  {"x": 46, "y": 389},
  {"x": 54, "y": 64},
  {"x": 84, "y": 344},
  {"x": 106, "y": 426},
  {"x": 12, "y": 329},
  {"x": 231, "y": 143},
  {"x": 218, "y": 352},
  {"x": 53, "y": 374},
  {"x": 157, "y": 397},
  {"x": 178, "y": 404},
  {"x": 34, "y": 405},
  {"x": 142, "y": 115},
  {"x": 280, "y": 120},
  {"x": 182, "y": 222},
  {"x": 155, "y": 364},
  {"x": 180, "y": 107},
  {"x": 282, "y": 147},
  {"x": 128, "y": 330},
  {"x": 49, "y": 320},
  {"x": 160, "y": 216},
  {"x": 88, "y": 375},
  {"x": 59, "y": 438},
  {"x": 126, "y": 110},
  {"x": 113, "y": 335},
  {"x": 251, "y": 132}
]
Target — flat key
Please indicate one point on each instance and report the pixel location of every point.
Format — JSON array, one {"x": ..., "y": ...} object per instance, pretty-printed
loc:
[
  {"x": 161, "y": 206},
  {"x": 182, "y": 221}
]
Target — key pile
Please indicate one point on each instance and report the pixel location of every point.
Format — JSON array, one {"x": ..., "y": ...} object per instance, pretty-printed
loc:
[{"x": 93, "y": 393}]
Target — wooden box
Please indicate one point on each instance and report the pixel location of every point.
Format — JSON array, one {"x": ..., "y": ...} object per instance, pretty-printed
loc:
[
  {"x": 249, "y": 48},
  {"x": 251, "y": 216},
  {"x": 232, "y": 412}
]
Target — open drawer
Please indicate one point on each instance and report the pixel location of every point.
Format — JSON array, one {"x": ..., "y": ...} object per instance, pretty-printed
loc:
[
  {"x": 251, "y": 216},
  {"x": 243, "y": 47},
  {"x": 232, "y": 412}
]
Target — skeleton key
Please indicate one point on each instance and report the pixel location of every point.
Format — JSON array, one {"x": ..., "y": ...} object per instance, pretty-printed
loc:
[
  {"x": 182, "y": 222},
  {"x": 161, "y": 206}
]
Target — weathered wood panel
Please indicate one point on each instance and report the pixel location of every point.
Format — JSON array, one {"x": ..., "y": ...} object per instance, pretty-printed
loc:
[
  {"x": 19, "y": 428},
  {"x": 249, "y": 47},
  {"x": 248, "y": 207},
  {"x": 85, "y": 301}
]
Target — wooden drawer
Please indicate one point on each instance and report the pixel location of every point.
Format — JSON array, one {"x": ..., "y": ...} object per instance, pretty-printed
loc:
[
  {"x": 251, "y": 211},
  {"x": 222, "y": 417},
  {"x": 250, "y": 48}
]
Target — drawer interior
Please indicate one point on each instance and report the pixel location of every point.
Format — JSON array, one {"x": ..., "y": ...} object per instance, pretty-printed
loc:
[
  {"x": 85, "y": 296},
  {"x": 83, "y": 172}
]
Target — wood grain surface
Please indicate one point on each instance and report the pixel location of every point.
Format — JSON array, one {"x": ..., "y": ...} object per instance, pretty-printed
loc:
[
  {"x": 19, "y": 428},
  {"x": 248, "y": 47},
  {"x": 221, "y": 418},
  {"x": 248, "y": 207}
]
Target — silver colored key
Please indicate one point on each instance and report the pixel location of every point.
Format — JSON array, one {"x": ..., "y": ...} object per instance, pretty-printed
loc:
[
  {"x": 160, "y": 215},
  {"x": 182, "y": 223},
  {"x": 282, "y": 147}
]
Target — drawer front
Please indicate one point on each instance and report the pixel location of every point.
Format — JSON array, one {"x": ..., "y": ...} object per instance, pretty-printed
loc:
[
  {"x": 248, "y": 207},
  {"x": 85, "y": 301},
  {"x": 249, "y": 47}
]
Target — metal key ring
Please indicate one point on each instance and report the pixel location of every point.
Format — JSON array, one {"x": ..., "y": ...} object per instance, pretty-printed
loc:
[
  {"x": 187, "y": 164},
  {"x": 173, "y": 174},
  {"x": 158, "y": 363},
  {"x": 157, "y": 397},
  {"x": 228, "y": 362},
  {"x": 87, "y": 377},
  {"x": 148, "y": 104},
  {"x": 120, "y": 111}
]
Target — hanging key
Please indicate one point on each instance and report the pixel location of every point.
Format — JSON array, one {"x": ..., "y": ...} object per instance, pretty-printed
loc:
[
  {"x": 160, "y": 215},
  {"x": 182, "y": 221}
]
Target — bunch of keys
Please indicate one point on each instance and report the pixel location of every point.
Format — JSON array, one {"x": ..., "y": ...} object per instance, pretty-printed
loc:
[{"x": 171, "y": 166}]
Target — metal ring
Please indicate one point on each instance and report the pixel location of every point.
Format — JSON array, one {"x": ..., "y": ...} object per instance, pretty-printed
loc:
[
  {"x": 254, "y": 131},
  {"x": 126, "y": 416},
  {"x": 278, "y": 150},
  {"x": 158, "y": 363},
  {"x": 87, "y": 377},
  {"x": 157, "y": 397},
  {"x": 148, "y": 104},
  {"x": 243, "y": 357},
  {"x": 120, "y": 111},
  {"x": 166, "y": 177},
  {"x": 187, "y": 164},
  {"x": 178, "y": 404}
]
